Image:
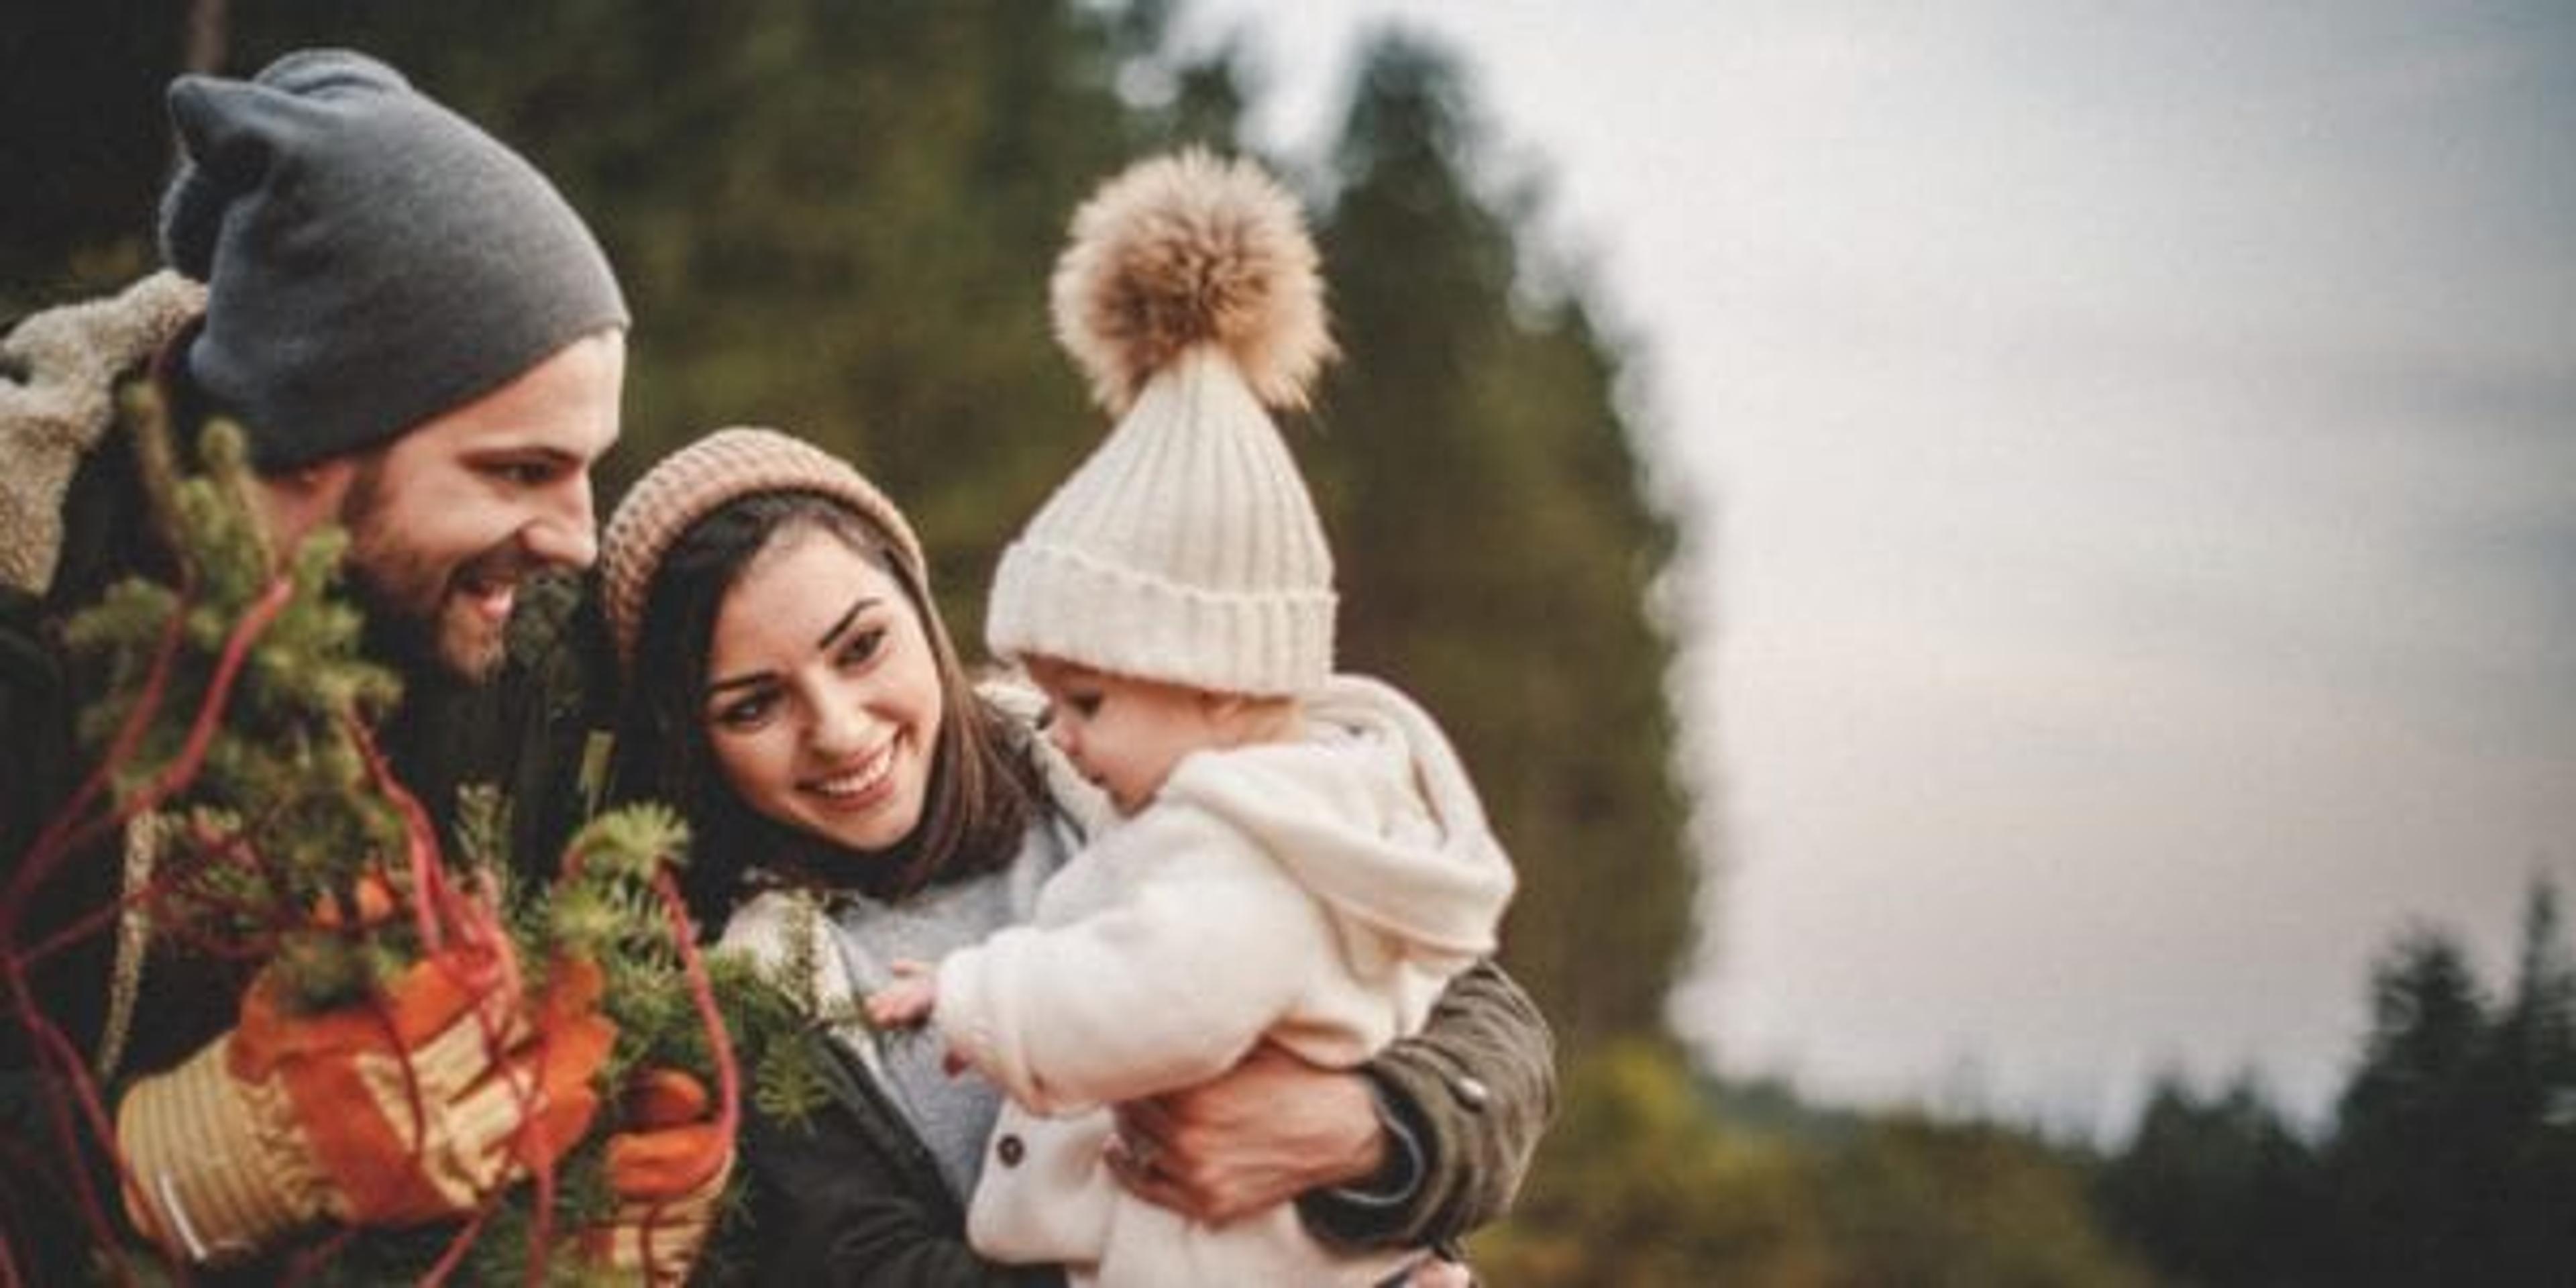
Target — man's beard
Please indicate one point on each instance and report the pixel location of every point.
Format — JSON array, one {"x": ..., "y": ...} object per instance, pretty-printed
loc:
[{"x": 414, "y": 621}]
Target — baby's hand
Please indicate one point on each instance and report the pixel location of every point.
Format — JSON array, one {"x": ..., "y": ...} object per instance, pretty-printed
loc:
[{"x": 907, "y": 1001}]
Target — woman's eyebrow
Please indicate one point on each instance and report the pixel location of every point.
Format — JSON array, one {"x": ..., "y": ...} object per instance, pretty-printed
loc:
[
  {"x": 737, "y": 681},
  {"x": 838, "y": 627}
]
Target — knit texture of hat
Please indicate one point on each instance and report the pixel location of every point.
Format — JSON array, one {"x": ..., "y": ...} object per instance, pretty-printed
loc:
[
  {"x": 696, "y": 481},
  {"x": 1186, "y": 549},
  {"x": 373, "y": 260}
]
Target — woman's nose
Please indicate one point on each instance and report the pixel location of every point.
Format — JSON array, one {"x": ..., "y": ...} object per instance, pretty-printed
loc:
[{"x": 840, "y": 723}]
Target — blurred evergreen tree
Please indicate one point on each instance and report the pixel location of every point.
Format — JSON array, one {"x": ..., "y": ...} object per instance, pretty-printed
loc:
[
  {"x": 2217, "y": 1191},
  {"x": 2404, "y": 1175},
  {"x": 2451, "y": 1160},
  {"x": 1497, "y": 555},
  {"x": 2533, "y": 1053},
  {"x": 87, "y": 144},
  {"x": 2454, "y": 1156}
]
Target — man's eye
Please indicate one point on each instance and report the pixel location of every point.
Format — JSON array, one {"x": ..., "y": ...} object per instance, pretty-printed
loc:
[
  {"x": 1085, "y": 705},
  {"x": 523, "y": 473}
]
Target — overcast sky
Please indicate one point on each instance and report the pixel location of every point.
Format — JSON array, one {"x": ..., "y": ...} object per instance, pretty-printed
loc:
[{"x": 2134, "y": 451}]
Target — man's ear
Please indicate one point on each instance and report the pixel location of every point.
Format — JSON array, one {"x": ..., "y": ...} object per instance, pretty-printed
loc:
[{"x": 297, "y": 501}]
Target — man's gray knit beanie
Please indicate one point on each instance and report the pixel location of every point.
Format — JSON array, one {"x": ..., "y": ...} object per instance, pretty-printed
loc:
[{"x": 373, "y": 260}]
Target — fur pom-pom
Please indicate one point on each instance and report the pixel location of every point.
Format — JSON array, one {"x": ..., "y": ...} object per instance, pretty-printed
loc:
[{"x": 1186, "y": 250}]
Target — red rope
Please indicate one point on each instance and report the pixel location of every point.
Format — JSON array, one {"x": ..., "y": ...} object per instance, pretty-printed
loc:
[
  {"x": 719, "y": 1043},
  {"x": 52, "y": 843},
  {"x": 702, "y": 992},
  {"x": 63, "y": 837}
]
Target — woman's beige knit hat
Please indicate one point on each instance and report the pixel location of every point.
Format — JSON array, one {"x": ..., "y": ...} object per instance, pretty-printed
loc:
[
  {"x": 700, "y": 479},
  {"x": 1187, "y": 548}
]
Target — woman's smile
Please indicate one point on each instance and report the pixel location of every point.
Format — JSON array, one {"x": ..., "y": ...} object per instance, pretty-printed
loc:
[{"x": 858, "y": 785}]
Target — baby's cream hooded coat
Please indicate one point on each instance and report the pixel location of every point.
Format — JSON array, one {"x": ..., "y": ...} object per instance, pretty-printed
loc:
[{"x": 1316, "y": 894}]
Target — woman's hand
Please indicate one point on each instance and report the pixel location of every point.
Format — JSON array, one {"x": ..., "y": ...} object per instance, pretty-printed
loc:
[{"x": 1269, "y": 1130}]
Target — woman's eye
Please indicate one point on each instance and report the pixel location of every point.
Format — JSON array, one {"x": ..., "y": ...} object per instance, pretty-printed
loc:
[
  {"x": 746, "y": 713},
  {"x": 863, "y": 646}
]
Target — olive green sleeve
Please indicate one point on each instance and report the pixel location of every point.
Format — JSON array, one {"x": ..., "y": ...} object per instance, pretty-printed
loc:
[{"x": 1465, "y": 1102}]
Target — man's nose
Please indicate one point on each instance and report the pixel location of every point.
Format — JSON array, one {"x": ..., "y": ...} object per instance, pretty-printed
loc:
[{"x": 567, "y": 535}]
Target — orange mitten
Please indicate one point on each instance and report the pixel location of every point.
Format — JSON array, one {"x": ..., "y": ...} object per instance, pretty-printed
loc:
[
  {"x": 669, "y": 1176},
  {"x": 409, "y": 1109}
]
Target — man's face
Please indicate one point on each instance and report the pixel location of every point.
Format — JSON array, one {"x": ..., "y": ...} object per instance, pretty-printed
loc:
[{"x": 447, "y": 520}]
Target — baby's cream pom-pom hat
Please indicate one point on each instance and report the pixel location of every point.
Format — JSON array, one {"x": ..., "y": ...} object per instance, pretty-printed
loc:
[{"x": 1186, "y": 549}]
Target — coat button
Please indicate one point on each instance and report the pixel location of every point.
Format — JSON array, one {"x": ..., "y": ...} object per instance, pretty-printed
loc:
[
  {"x": 1009, "y": 1150},
  {"x": 1470, "y": 1091}
]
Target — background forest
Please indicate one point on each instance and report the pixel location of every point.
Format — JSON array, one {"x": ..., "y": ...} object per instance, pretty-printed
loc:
[{"x": 837, "y": 218}]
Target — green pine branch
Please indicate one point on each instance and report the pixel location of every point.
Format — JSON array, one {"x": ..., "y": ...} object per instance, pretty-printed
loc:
[
  {"x": 278, "y": 820},
  {"x": 275, "y": 830}
]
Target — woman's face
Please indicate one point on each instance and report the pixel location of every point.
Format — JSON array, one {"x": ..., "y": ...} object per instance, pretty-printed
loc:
[{"x": 822, "y": 697}]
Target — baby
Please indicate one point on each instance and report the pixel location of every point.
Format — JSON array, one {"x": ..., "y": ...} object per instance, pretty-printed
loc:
[{"x": 1299, "y": 856}]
